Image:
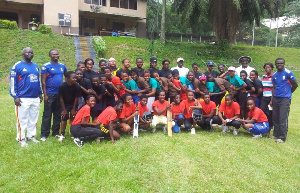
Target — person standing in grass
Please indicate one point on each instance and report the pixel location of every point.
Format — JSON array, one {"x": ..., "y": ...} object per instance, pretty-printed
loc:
[
  {"x": 183, "y": 71},
  {"x": 69, "y": 92},
  {"x": 153, "y": 64},
  {"x": 52, "y": 74},
  {"x": 165, "y": 69},
  {"x": 257, "y": 94},
  {"x": 284, "y": 84},
  {"x": 126, "y": 66},
  {"x": 257, "y": 122},
  {"x": 210, "y": 66},
  {"x": 85, "y": 86},
  {"x": 244, "y": 61},
  {"x": 113, "y": 65},
  {"x": 24, "y": 87},
  {"x": 89, "y": 73},
  {"x": 195, "y": 70},
  {"x": 139, "y": 67}
]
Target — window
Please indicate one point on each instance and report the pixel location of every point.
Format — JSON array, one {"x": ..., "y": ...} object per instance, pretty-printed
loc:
[
  {"x": 118, "y": 26},
  {"x": 125, "y": 4},
  {"x": 88, "y": 23},
  {"x": 95, "y": 2}
]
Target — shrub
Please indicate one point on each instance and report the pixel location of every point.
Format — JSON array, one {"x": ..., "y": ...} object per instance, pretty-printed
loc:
[
  {"x": 8, "y": 24},
  {"x": 99, "y": 45},
  {"x": 45, "y": 29}
]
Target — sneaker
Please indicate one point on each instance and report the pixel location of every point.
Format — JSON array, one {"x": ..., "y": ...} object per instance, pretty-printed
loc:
[
  {"x": 57, "y": 136},
  {"x": 78, "y": 142},
  {"x": 61, "y": 138},
  {"x": 98, "y": 139},
  {"x": 225, "y": 129},
  {"x": 257, "y": 136},
  {"x": 154, "y": 129},
  {"x": 211, "y": 129},
  {"x": 235, "y": 131},
  {"x": 164, "y": 129},
  {"x": 279, "y": 141},
  {"x": 193, "y": 131},
  {"x": 23, "y": 143},
  {"x": 43, "y": 139},
  {"x": 33, "y": 139}
]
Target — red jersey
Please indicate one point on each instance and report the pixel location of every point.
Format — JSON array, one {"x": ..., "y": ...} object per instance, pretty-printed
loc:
[
  {"x": 160, "y": 106},
  {"x": 142, "y": 109},
  {"x": 207, "y": 108},
  {"x": 186, "y": 105},
  {"x": 127, "y": 111},
  {"x": 107, "y": 115},
  {"x": 85, "y": 111},
  {"x": 177, "y": 109},
  {"x": 116, "y": 81},
  {"x": 258, "y": 115},
  {"x": 230, "y": 111}
]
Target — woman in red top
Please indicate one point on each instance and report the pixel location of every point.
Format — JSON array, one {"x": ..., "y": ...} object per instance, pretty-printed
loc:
[
  {"x": 177, "y": 113},
  {"x": 81, "y": 128},
  {"x": 128, "y": 113}
]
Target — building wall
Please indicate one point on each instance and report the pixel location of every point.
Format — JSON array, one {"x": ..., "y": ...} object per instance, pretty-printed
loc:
[
  {"x": 51, "y": 10},
  {"x": 29, "y": 1}
]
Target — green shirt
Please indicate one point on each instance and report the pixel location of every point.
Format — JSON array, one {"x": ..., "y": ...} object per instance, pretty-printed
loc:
[
  {"x": 130, "y": 85},
  {"x": 212, "y": 87},
  {"x": 184, "y": 80},
  {"x": 154, "y": 84},
  {"x": 235, "y": 81}
]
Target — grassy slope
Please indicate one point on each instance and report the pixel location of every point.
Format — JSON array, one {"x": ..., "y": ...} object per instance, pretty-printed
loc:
[{"x": 152, "y": 163}]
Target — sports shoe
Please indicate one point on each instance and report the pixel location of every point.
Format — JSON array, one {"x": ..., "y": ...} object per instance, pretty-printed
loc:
[
  {"x": 211, "y": 129},
  {"x": 257, "y": 136},
  {"x": 61, "y": 138},
  {"x": 235, "y": 131},
  {"x": 43, "y": 139},
  {"x": 23, "y": 143},
  {"x": 154, "y": 129},
  {"x": 98, "y": 139},
  {"x": 225, "y": 129},
  {"x": 57, "y": 136},
  {"x": 33, "y": 139},
  {"x": 279, "y": 141},
  {"x": 193, "y": 131},
  {"x": 164, "y": 129},
  {"x": 78, "y": 142}
]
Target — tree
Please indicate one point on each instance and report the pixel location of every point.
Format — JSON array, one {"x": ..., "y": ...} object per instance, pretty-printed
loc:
[
  {"x": 227, "y": 15},
  {"x": 163, "y": 23}
]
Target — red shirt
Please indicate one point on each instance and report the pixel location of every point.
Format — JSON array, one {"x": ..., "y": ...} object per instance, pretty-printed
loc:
[
  {"x": 186, "y": 105},
  {"x": 82, "y": 113},
  {"x": 142, "y": 109},
  {"x": 182, "y": 94},
  {"x": 116, "y": 81},
  {"x": 230, "y": 111},
  {"x": 107, "y": 115},
  {"x": 160, "y": 106},
  {"x": 207, "y": 108},
  {"x": 177, "y": 109},
  {"x": 258, "y": 115},
  {"x": 127, "y": 111}
]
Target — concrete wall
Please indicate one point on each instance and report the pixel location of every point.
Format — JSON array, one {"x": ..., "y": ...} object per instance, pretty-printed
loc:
[{"x": 29, "y": 1}]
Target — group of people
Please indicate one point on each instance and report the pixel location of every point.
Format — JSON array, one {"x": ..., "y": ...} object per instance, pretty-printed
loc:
[{"x": 113, "y": 96}]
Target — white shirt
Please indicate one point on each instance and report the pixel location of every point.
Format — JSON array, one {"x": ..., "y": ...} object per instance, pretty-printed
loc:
[
  {"x": 183, "y": 71},
  {"x": 239, "y": 69}
]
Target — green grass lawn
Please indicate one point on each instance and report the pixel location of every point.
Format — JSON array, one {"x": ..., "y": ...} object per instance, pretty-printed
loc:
[{"x": 205, "y": 162}]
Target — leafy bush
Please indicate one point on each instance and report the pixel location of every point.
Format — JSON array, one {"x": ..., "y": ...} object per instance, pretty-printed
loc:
[
  {"x": 45, "y": 29},
  {"x": 99, "y": 45},
  {"x": 8, "y": 24}
]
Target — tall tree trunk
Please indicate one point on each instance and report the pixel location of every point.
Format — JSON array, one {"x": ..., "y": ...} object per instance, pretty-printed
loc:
[{"x": 163, "y": 23}]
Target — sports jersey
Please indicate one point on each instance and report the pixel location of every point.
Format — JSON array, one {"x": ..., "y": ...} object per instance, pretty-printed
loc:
[
  {"x": 282, "y": 83},
  {"x": 127, "y": 110},
  {"x": 207, "y": 108},
  {"x": 235, "y": 81},
  {"x": 142, "y": 109},
  {"x": 160, "y": 106},
  {"x": 108, "y": 115},
  {"x": 212, "y": 87},
  {"x": 177, "y": 109},
  {"x": 186, "y": 105},
  {"x": 229, "y": 111},
  {"x": 258, "y": 115},
  {"x": 116, "y": 81},
  {"x": 85, "y": 111},
  {"x": 54, "y": 73},
  {"x": 267, "y": 85},
  {"x": 24, "y": 80},
  {"x": 130, "y": 85}
]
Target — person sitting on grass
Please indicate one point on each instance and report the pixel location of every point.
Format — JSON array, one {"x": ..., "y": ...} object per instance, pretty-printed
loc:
[
  {"x": 160, "y": 108},
  {"x": 81, "y": 128},
  {"x": 209, "y": 112},
  {"x": 128, "y": 113},
  {"x": 69, "y": 92},
  {"x": 257, "y": 122},
  {"x": 177, "y": 113},
  {"x": 229, "y": 112},
  {"x": 188, "y": 118},
  {"x": 142, "y": 105}
]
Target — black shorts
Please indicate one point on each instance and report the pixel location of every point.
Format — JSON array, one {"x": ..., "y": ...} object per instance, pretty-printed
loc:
[{"x": 68, "y": 115}]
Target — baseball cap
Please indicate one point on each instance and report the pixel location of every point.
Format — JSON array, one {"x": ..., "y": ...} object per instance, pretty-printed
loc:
[
  {"x": 179, "y": 59},
  {"x": 231, "y": 68},
  {"x": 210, "y": 63},
  {"x": 153, "y": 59}
]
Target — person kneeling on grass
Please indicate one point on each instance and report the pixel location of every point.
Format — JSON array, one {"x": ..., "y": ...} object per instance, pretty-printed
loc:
[
  {"x": 257, "y": 122},
  {"x": 144, "y": 121},
  {"x": 128, "y": 113},
  {"x": 81, "y": 128},
  {"x": 177, "y": 113},
  {"x": 160, "y": 108}
]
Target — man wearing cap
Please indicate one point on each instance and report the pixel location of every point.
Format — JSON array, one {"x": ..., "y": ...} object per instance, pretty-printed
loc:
[
  {"x": 210, "y": 66},
  {"x": 244, "y": 60},
  {"x": 183, "y": 71},
  {"x": 153, "y": 63},
  {"x": 284, "y": 84}
]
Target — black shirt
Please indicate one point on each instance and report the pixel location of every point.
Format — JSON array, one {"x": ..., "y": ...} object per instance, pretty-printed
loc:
[
  {"x": 86, "y": 83},
  {"x": 152, "y": 71},
  {"x": 215, "y": 74},
  {"x": 139, "y": 72},
  {"x": 69, "y": 93},
  {"x": 89, "y": 74},
  {"x": 164, "y": 73},
  {"x": 197, "y": 75},
  {"x": 108, "y": 100},
  {"x": 119, "y": 72}
]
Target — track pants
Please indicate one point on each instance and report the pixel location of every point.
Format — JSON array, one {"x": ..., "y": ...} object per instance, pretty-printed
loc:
[{"x": 27, "y": 117}]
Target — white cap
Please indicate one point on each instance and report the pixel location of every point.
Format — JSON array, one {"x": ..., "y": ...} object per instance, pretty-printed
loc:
[
  {"x": 111, "y": 59},
  {"x": 231, "y": 68},
  {"x": 179, "y": 59}
]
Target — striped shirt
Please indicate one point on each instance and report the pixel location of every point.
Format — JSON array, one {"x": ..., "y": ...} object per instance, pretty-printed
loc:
[{"x": 267, "y": 85}]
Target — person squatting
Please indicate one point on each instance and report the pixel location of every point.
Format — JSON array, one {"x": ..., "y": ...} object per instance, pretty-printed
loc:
[{"x": 113, "y": 96}]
